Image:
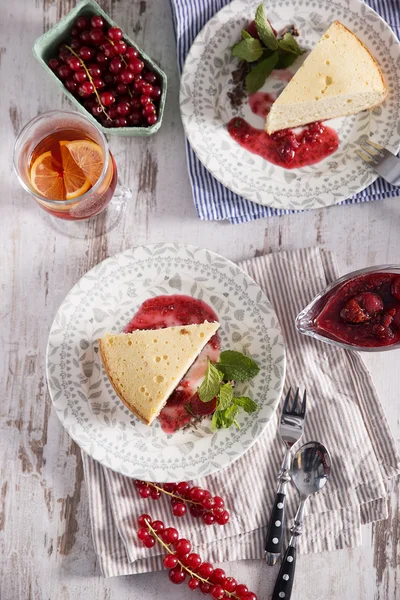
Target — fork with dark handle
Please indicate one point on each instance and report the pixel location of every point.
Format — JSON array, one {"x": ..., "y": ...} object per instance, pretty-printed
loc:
[{"x": 290, "y": 430}]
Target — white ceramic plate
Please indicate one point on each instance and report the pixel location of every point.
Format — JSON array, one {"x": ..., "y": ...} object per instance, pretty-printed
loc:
[
  {"x": 206, "y": 109},
  {"x": 104, "y": 300}
]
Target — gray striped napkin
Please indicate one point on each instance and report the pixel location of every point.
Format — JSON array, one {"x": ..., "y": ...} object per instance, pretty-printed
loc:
[{"x": 344, "y": 413}]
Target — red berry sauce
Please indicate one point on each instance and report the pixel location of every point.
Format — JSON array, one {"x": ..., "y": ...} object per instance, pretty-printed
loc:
[
  {"x": 170, "y": 311},
  {"x": 364, "y": 311},
  {"x": 284, "y": 148}
]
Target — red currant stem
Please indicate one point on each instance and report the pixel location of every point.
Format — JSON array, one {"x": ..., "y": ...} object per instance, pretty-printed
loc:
[
  {"x": 184, "y": 567},
  {"x": 154, "y": 485},
  {"x": 123, "y": 60},
  {"x": 91, "y": 81}
]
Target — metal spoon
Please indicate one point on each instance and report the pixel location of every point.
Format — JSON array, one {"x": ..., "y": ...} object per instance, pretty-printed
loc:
[{"x": 310, "y": 471}]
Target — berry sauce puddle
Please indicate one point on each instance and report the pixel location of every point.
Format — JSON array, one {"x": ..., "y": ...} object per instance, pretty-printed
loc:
[
  {"x": 184, "y": 404},
  {"x": 364, "y": 311},
  {"x": 286, "y": 148}
]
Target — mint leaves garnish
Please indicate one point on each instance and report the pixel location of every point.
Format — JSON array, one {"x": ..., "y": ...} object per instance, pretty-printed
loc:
[
  {"x": 265, "y": 52},
  {"x": 235, "y": 365},
  {"x": 218, "y": 382}
]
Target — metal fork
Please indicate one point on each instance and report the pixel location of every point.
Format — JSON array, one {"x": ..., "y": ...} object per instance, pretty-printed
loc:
[
  {"x": 290, "y": 430},
  {"x": 384, "y": 162}
]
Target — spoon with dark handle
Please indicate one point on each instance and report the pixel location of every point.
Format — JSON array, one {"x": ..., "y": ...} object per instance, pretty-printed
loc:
[{"x": 310, "y": 471}]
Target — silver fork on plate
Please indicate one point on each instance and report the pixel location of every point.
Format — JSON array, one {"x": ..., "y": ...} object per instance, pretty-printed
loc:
[
  {"x": 384, "y": 162},
  {"x": 290, "y": 430}
]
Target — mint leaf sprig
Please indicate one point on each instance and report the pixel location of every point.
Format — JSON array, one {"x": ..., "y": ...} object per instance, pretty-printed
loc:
[
  {"x": 265, "y": 52},
  {"x": 219, "y": 382}
]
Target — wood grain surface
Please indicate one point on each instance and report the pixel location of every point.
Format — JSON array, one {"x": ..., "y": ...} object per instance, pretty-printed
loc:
[{"x": 46, "y": 549}]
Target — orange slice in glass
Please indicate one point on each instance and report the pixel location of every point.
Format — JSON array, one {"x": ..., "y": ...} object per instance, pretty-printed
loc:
[
  {"x": 88, "y": 156},
  {"x": 47, "y": 177},
  {"x": 75, "y": 181}
]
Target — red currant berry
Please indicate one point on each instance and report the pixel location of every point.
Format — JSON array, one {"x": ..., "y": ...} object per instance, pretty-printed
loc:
[
  {"x": 152, "y": 119},
  {"x": 85, "y": 37},
  {"x": 205, "y": 588},
  {"x": 195, "y": 509},
  {"x": 75, "y": 32},
  {"x": 249, "y": 596},
  {"x": 96, "y": 111},
  {"x": 109, "y": 50},
  {"x": 108, "y": 98},
  {"x": 109, "y": 78},
  {"x": 97, "y": 21},
  {"x": 208, "y": 518},
  {"x": 135, "y": 104},
  {"x": 135, "y": 118},
  {"x": 94, "y": 70},
  {"x": 89, "y": 104},
  {"x": 53, "y": 64},
  {"x": 241, "y": 590},
  {"x": 176, "y": 575},
  {"x": 98, "y": 83},
  {"x": 208, "y": 503},
  {"x": 131, "y": 53},
  {"x": 114, "y": 34},
  {"x": 64, "y": 55},
  {"x": 120, "y": 47},
  {"x": 149, "y": 542},
  {"x": 168, "y": 487},
  {"x": 170, "y": 561},
  {"x": 123, "y": 109},
  {"x": 196, "y": 494},
  {"x": 143, "y": 533},
  {"x": 121, "y": 122},
  {"x": 74, "y": 63},
  {"x": 222, "y": 517},
  {"x": 82, "y": 23},
  {"x": 126, "y": 76},
  {"x": 80, "y": 75},
  {"x": 170, "y": 535},
  {"x": 136, "y": 66},
  {"x": 147, "y": 90},
  {"x": 86, "y": 53},
  {"x": 179, "y": 508},
  {"x": 121, "y": 89},
  {"x": 230, "y": 584},
  {"x": 150, "y": 77},
  {"x": 116, "y": 65},
  {"x": 156, "y": 93},
  {"x": 217, "y": 592},
  {"x": 193, "y": 583},
  {"x": 158, "y": 526},
  {"x": 86, "y": 89},
  {"x": 182, "y": 547},
  {"x": 112, "y": 112},
  {"x": 218, "y": 502},
  {"x": 137, "y": 86},
  {"x": 143, "y": 101},
  {"x": 64, "y": 72},
  {"x": 96, "y": 36},
  {"x": 144, "y": 518},
  {"x": 193, "y": 561},
  {"x": 183, "y": 487},
  {"x": 205, "y": 570},
  {"x": 75, "y": 45},
  {"x": 71, "y": 85},
  {"x": 218, "y": 576},
  {"x": 101, "y": 58}
]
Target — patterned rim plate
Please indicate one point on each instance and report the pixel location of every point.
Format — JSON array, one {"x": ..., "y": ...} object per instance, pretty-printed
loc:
[
  {"x": 104, "y": 300},
  {"x": 206, "y": 109}
]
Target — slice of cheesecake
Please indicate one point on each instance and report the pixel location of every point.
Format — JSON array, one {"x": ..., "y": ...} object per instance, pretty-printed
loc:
[
  {"x": 145, "y": 366},
  {"x": 339, "y": 77}
]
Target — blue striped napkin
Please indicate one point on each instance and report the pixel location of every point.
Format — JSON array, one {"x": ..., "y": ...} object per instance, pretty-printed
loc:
[{"x": 213, "y": 200}]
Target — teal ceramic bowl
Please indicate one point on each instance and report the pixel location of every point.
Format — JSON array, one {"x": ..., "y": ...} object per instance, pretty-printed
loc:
[{"x": 46, "y": 46}]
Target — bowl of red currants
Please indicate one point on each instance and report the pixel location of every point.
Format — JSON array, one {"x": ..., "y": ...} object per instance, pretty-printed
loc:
[
  {"x": 360, "y": 311},
  {"x": 103, "y": 72}
]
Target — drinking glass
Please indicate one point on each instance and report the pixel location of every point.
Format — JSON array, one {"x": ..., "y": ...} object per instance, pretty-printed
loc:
[{"x": 97, "y": 210}]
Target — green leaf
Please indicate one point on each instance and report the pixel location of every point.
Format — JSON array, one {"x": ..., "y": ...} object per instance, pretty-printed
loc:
[
  {"x": 225, "y": 396},
  {"x": 264, "y": 29},
  {"x": 246, "y": 35},
  {"x": 246, "y": 403},
  {"x": 228, "y": 415},
  {"x": 216, "y": 421},
  {"x": 286, "y": 59},
  {"x": 211, "y": 383},
  {"x": 257, "y": 76},
  {"x": 249, "y": 49},
  {"x": 289, "y": 44},
  {"x": 235, "y": 365}
]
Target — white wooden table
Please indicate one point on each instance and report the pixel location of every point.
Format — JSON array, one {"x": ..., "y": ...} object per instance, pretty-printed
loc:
[{"x": 46, "y": 547}]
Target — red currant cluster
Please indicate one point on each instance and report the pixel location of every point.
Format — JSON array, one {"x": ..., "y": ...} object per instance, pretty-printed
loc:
[
  {"x": 200, "y": 502},
  {"x": 96, "y": 64},
  {"x": 183, "y": 563}
]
